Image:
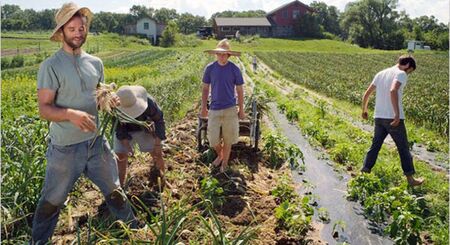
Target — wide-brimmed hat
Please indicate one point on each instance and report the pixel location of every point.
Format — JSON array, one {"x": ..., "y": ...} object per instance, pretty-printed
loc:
[
  {"x": 67, "y": 11},
  {"x": 133, "y": 100},
  {"x": 223, "y": 47}
]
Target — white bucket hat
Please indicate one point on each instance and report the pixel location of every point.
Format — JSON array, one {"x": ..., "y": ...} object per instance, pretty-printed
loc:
[
  {"x": 133, "y": 100},
  {"x": 67, "y": 11},
  {"x": 223, "y": 47}
]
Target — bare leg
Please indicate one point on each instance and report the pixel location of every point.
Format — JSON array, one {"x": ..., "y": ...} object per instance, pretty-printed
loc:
[
  {"x": 226, "y": 157},
  {"x": 122, "y": 164},
  {"x": 157, "y": 156},
  {"x": 219, "y": 150}
]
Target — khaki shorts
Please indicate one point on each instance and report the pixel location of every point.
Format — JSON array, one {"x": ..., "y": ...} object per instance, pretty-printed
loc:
[{"x": 223, "y": 124}]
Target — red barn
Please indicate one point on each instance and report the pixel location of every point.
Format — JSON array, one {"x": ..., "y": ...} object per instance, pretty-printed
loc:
[{"x": 284, "y": 18}]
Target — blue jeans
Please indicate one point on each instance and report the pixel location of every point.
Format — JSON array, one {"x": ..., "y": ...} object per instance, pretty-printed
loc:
[
  {"x": 398, "y": 134},
  {"x": 65, "y": 164}
]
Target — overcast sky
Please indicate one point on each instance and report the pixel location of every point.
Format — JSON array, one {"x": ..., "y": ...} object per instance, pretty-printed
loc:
[{"x": 439, "y": 8}]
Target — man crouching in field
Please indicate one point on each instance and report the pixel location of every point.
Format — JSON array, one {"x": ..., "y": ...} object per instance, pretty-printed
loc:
[
  {"x": 389, "y": 115},
  {"x": 137, "y": 103},
  {"x": 66, "y": 96},
  {"x": 224, "y": 78}
]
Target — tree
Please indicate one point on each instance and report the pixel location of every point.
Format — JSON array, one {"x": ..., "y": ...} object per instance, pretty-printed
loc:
[
  {"x": 9, "y": 10},
  {"x": 189, "y": 23},
  {"x": 169, "y": 34},
  {"x": 164, "y": 15},
  {"x": 140, "y": 11},
  {"x": 328, "y": 17},
  {"x": 373, "y": 23},
  {"x": 308, "y": 26}
]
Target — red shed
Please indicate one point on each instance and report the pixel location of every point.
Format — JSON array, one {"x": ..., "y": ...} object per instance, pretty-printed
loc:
[{"x": 284, "y": 17}]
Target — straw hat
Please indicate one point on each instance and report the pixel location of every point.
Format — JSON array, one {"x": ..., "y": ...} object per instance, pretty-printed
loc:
[
  {"x": 223, "y": 47},
  {"x": 67, "y": 11},
  {"x": 133, "y": 100}
]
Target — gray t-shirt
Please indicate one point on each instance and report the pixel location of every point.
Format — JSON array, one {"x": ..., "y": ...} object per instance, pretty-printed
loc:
[{"x": 74, "y": 78}]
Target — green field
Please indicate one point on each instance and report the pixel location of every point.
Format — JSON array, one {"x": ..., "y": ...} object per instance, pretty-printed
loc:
[
  {"x": 346, "y": 76},
  {"x": 338, "y": 71}
]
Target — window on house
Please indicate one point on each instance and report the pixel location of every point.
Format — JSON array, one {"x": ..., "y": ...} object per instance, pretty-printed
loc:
[
  {"x": 296, "y": 14},
  {"x": 226, "y": 28},
  {"x": 285, "y": 14},
  {"x": 146, "y": 26}
]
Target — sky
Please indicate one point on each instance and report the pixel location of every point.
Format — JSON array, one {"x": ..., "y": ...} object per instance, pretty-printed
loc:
[{"x": 414, "y": 8}]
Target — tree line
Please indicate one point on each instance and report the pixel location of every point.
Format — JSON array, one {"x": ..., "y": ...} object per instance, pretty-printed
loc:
[{"x": 367, "y": 23}]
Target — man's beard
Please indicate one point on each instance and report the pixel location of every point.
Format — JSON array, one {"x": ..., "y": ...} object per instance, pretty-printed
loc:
[{"x": 72, "y": 44}]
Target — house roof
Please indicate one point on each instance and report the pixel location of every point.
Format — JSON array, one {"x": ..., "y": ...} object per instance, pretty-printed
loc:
[
  {"x": 287, "y": 4},
  {"x": 257, "y": 21}
]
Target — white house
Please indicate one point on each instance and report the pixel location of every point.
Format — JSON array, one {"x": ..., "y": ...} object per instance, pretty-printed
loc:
[
  {"x": 415, "y": 45},
  {"x": 146, "y": 26}
]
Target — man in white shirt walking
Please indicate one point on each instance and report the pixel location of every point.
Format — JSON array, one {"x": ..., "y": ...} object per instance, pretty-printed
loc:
[{"x": 389, "y": 116}]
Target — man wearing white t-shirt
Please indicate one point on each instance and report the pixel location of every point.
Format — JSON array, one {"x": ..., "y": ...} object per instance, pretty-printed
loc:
[{"x": 389, "y": 116}]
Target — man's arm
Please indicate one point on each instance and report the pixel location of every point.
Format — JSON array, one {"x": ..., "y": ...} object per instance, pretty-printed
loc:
[
  {"x": 240, "y": 94},
  {"x": 205, "y": 94},
  {"x": 49, "y": 111},
  {"x": 394, "y": 100},
  {"x": 365, "y": 101}
]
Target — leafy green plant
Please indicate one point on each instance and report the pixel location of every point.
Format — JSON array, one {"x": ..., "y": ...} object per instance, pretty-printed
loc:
[
  {"x": 322, "y": 106},
  {"x": 363, "y": 186},
  {"x": 282, "y": 107},
  {"x": 323, "y": 214},
  {"x": 292, "y": 115},
  {"x": 292, "y": 154},
  {"x": 17, "y": 61},
  {"x": 291, "y": 217},
  {"x": 275, "y": 146},
  {"x": 284, "y": 190},
  {"x": 341, "y": 153},
  {"x": 338, "y": 226},
  {"x": 405, "y": 227},
  {"x": 212, "y": 191}
]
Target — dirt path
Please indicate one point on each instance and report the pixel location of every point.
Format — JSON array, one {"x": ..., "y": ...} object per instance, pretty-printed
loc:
[
  {"x": 13, "y": 51},
  {"x": 435, "y": 159}
]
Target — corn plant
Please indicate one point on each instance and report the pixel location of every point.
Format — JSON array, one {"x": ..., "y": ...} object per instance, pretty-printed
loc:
[{"x": 23, "y": 166}]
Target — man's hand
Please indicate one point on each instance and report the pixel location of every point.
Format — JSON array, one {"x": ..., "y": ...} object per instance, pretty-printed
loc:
[
  {"x": 83, "y": 120},
  {"x": 115, "y": 101},
  {"x": 204, "y": 113},
  {"x": 365, "y": 115},
  {"x": 241, "y": 114},
  {"x": 396, "y": 121}
]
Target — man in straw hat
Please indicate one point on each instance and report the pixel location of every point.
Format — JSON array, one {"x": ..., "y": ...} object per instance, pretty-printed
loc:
[
  {"x": 135, "y": 102},
  {"x": 66, "y": 96},
  {"x": 223, "y": 77}
]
